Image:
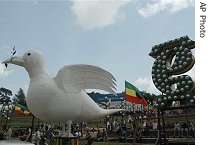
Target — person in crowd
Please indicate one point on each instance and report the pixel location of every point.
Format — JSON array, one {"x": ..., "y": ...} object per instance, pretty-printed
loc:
[
  {"x": 176, "y": 128},
  {"x": 104, "y": 135},
  {"x": 23, "y": 134},
  {"x": 138, "y": 136},
  {"x": 8, "y": 134},
  {"x": 1, "y": 134},
  {"x": 108, "y": 125},
  {"x": 99, "y": 135},
  {"x": 89, "y": 138},
  {"x": 43, "y": 141},
  {"x": 184, "y": 129},
  {"x": 154, "y": 125},
  {"x": 77, "y": 133},
  {"x": 191, "y": 129},
  {"x": 51, "y": 137},
  {"x": 146, "y": 129},
  {"x": 123, "y": 135},
  {"x": 37, "y": 136},
  {"x": 129, "y": 119}
]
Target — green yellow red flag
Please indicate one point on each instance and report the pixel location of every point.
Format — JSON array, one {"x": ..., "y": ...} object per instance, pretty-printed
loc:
[
  {"x": 132, "y": 94},
  {"x": 20, "y": 109}
]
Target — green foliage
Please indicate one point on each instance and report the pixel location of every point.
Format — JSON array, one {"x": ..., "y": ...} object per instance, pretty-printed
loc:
[
  {"x": 20, "y": 97},
  {"x": 5, "y": 95},
  {"x": 151, "y": 98}
]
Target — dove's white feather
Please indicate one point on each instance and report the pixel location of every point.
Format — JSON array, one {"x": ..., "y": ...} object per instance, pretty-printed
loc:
[
  {"x": 62, "y": 99},
  {"x": 74, "y": 78}
]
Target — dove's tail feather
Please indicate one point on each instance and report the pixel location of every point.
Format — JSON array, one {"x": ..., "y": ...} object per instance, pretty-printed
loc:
[{"x": 112, "y": 111}]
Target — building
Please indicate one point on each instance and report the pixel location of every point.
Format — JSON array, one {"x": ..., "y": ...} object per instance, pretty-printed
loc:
[{"x": 111, "y": 101}]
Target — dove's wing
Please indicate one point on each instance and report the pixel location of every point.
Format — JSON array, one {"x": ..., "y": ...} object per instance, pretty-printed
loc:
[{"x": 74, "y": 78}]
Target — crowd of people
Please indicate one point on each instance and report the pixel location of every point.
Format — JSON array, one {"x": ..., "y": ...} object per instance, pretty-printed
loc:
[
  {"x": 124, "y": 126},
  {"x": 148, "y": 127}
]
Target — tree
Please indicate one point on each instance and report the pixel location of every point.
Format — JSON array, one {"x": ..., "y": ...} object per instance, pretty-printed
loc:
[
  {"x": 5, "y": 95},
  {"x": 20, "y": 97},
  {"x": 151, "y": 98},
  {"x": 6, "y": 104}
]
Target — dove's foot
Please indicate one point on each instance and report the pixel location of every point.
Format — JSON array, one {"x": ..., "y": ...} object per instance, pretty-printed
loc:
[
  {"x": 66, "y": 134},
  {"x": 70, "y": 135}
]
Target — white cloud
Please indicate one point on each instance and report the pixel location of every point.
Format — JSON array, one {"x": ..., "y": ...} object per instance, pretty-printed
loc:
[
  {"x": 191, "y": 73},
  {"x": 146, "y": 84},
  {"x": 157, "y": 6},
  {"x": 3, "y": 71},
  {"x": 98, "y": 14},
  {"x": 5, "y": 49},
  {"x": 35, "y": 2}
]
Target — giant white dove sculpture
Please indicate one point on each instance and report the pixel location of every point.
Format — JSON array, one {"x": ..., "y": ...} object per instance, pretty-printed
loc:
[{"x": 62, "y": 98}]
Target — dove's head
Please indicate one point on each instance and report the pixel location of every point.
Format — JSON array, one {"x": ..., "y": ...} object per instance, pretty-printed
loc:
[{"x": 32, "y": 61}]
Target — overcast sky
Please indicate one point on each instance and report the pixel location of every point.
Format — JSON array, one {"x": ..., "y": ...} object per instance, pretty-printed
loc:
[{"x": 114, "y": 35}]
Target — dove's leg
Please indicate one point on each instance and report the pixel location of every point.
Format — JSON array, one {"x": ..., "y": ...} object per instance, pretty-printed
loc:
[
  {"x": 63, "y": 129},
  {"x": 69, "y": 128}
]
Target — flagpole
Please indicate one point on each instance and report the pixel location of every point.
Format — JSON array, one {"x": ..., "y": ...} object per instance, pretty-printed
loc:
[
  {"x": 134, "y": 123},
  {"x": 125, "y": 98},
  {"x": 135, "y": 130}
]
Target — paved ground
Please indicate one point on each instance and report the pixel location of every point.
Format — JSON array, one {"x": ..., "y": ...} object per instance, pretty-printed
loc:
[{"x": 14, "y": 142}]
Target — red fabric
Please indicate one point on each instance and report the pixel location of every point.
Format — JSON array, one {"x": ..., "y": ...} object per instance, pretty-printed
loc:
[{"x": 136, "y": 100}]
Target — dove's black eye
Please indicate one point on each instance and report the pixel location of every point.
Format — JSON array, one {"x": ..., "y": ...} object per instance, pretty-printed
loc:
[{"x": 29, "y": 54}]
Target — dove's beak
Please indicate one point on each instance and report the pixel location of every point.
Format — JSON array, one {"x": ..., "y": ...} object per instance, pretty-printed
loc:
[{"x": 17, "y": 60}]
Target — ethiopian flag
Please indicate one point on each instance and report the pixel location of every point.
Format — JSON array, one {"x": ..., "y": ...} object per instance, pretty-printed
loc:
[
  {"x": 20, "y": 109},
  {"x": 132, "y": 94}
]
